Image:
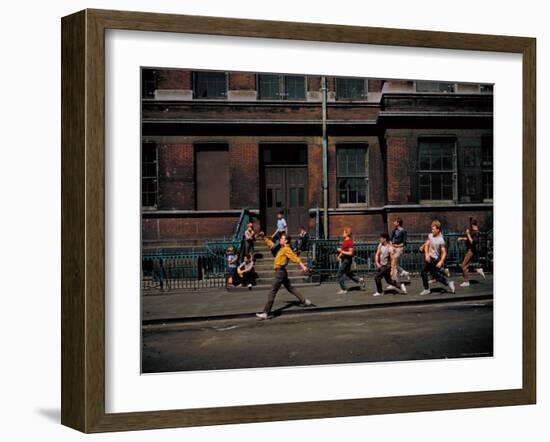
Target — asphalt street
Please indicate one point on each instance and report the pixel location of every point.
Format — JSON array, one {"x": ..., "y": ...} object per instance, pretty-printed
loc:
[{"x": 394, "y": 333}]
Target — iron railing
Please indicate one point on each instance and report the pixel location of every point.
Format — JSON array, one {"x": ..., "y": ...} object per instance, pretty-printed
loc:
[
  {"x": 323, "y": 264},
  {"x": 191, "y": 267}
]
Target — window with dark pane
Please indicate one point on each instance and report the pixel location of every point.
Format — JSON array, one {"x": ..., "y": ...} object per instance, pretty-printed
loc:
[
  {"x": 352, "y": 174},
  {"x": 210, "y": 85},
  {"x": 487, "y": 166},
  {"x": 351, "y": 88},
  {"x": 148, "y": 83},
  {"x": 436, "y": 169},
  {"x": 149, "y": 175},
  {"x": 434, "y": 86},
  {"x": 486, "y": 88},
  {"x": 281, "y": 87},
  {"x": 268, "y": 87},
  {"x": 295, "y": 87},
  {"x": 212, "y": 176}
]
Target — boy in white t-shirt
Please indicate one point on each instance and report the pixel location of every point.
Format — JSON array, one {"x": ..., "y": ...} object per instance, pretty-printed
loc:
[{"x": 435, "y": 254}]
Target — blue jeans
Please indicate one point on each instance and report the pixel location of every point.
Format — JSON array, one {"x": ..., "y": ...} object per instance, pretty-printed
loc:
[{"x": 344, "y": 269}]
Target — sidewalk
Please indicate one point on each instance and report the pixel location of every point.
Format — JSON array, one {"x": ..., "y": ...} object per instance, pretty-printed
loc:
[{"x": 221, "y": 304}]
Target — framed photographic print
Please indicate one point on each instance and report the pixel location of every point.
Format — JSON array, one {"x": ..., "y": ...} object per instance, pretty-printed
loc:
[{"x": 270, "y": 220}]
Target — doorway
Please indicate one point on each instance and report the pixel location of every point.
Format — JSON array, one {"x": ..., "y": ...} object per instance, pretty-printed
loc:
[{"x": 285, "y": 186}]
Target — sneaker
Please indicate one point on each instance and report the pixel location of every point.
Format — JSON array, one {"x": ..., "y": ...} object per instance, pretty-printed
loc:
[
  {"x": 431, "y": 281},
  {"x": 480, "y": 271},
  {"x": 447, "y": 273},
  {"x": 452, "y": 286},
  {"x": 403, "y": 288},
  {"x": 425, "y": 292},
  {"x": 362, "y": 283},
  {"x": 307, "y": 303},
  {"x": 377, "y": 294},
  {"x": 342, "y": 292},
  {"x": 249, "y": 286},
  {"x": 465, "y": 284},
  {"x": 261, "y": 315},
  {"x": 391, "y": 287}
]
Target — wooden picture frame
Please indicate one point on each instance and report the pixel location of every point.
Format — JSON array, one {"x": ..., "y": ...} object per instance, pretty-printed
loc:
[{"x": 83, "y": 218}]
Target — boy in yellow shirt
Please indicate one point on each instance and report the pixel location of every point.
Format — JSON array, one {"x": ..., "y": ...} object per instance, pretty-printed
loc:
[{"x": 283, "y": 256}]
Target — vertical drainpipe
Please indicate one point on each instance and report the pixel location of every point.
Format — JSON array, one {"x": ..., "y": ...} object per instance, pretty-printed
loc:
[{"x": 325, "y": 155}]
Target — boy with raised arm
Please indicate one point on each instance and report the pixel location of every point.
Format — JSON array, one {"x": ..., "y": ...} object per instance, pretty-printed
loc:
[
  {"x": 283, "y": 256},
  {"x": 435, "y": 254}
]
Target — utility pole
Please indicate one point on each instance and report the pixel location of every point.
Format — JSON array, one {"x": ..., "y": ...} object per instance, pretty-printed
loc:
[{"x": 325, "y": 156}]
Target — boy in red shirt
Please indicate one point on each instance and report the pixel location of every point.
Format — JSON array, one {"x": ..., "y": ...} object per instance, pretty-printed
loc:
[{"x": 345, "y": 257}]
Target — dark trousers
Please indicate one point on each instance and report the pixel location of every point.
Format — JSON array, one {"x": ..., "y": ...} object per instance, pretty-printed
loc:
[
  {"x": 281, "y": 278},
  {"x": 249, "y": 247},
  {"x": 248, "y": 278},
  {"x": 430, "y": 268},
  {"x": 384, "y": 272},
  {"x": 344, "y": 269}
]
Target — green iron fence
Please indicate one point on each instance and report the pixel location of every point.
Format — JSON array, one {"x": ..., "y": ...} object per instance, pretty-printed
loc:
[
  {"x": 323, "y": 264},
  {"x": 191, "y": 267}
]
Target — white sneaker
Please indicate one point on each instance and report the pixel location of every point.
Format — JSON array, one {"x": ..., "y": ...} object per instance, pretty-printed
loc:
[
  {"x": 447, "y": 273},
  {"x": 307, "y": 303},
  {"x": 452, "y": 286},
  {"x": 362, "y": 283},
  {"x": 249, "y": 286},
  {"x": 403, "y": 288},
  {"x": 425, "y": 292},
  {"x": 261, "y": 315},
  {"x": 431, "y": 281},
  {"x": 405, "y": 274},
  {"x": 377, "y": 294},
  {"x": 342, "y": 292},
  {"x": 465, "y": 284},
  {"x": 391, "y": 287},
  {"x": 481, "y": 272}
]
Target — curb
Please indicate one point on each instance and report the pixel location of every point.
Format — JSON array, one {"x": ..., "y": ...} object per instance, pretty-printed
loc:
[{"x": 150, "y": 323}]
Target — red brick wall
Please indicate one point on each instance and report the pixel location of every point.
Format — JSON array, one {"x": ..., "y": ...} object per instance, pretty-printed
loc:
[
  {"x": 240, "y": 81},
  {"x": 399, "y": 183},
  {"x": 313, "y": 83},
  {"x": 375, "y": 85},
  {"x": 451, "y": 220},
  {"x": 361, "y": 224},
  {"x": 315, "y": 175},
  {"x": 244, "y": 176},
  {"x": 176, "y": 177},
  {"x": 377, "y": 189},
  {"x": 174, "y": 79},
  {"x": 332, "y": 190}
]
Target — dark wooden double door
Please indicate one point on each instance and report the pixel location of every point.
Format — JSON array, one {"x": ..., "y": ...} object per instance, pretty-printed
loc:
[{"x": 286, "y": 191}]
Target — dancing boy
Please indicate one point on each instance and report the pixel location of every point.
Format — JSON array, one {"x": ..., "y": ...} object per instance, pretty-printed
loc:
[
  {"x": 472, "y": 242},
  {"x": 284, "y": 254},
  {"x": 345, "y": 258},
  {"x": 385, "y": 262},
  {"x": 435, "y": 254},
  {"x": 398, "y": 241}
]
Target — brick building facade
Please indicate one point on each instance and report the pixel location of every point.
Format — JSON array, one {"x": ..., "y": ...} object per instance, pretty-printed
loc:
[{"x": 216, "y": 142}]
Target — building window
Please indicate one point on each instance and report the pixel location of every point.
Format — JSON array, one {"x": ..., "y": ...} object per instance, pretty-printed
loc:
[
  {"x": 149, "y": 79},
  {"x": 351, "y": 88},
  {"x": 210, "y": 85},
  {"x": 486, "y": 88},
  {"x": 352, "y": 174},
  {"x": 212, "y": 176},
  {"x": 437, "y": 169},
  {"x": 281, "y": 87},
  {"x": 487, "y": 166},
  {"x": 149, "y": 175},
  {"x": 434, "y": 86}
]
